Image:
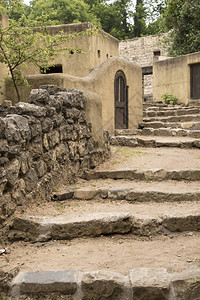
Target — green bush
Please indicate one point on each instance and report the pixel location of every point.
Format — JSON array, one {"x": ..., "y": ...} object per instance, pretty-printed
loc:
[{"x": 169, "y": 99}]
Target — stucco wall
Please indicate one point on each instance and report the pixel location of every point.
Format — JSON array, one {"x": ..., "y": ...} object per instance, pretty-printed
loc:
[
  {"x": 101, "y": 82},
  {"x": 172, "y": 76},
  {"x": 96, "y": 48}
]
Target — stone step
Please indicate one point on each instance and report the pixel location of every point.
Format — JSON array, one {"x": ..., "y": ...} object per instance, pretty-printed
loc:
[
  {"x": 140, "y": 191},
  {"x": 148, "y": 174},
  {"x": 157, "y": 141},
  {"x": 154, "y": 219},
  {"x": 154, "y": 104},
  {"x": 173, "y": 125},
  {"x": 194, "y": 103},
  {"x": 169, "y": 132},
  {"x": 171, "y": 112},
  {"x": 139, "y": 283},
  {"x": 169, "y": 107},
  {"x": 183, "y": 118}
]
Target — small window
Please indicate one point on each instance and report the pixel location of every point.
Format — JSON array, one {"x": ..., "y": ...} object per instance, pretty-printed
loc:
[
  {"x": 53, "y": 69},
  {"x": 107, "y": 55},
  {"x": 156, "y": 53},
  {"x": 99, "y": 53}
]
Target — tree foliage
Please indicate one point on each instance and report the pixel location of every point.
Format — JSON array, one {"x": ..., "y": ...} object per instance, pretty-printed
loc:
[
  {"x": 21, "y": 43},
  {"x": 63, "y": 11},
  {"x": 140, "y": 27},
  {"x": 182, "y": 17}
]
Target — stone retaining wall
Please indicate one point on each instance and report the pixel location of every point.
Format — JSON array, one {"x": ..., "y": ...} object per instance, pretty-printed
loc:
[{"x": 44, "y": 143}]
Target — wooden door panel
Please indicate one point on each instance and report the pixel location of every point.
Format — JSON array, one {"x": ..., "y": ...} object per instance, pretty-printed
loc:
[
  {"x": 121, "y": 101},
  {"x": 195, "y": 81}
]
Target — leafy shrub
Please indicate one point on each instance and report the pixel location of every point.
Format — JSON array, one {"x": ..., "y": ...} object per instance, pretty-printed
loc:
[{"x": 169, "y": 99}]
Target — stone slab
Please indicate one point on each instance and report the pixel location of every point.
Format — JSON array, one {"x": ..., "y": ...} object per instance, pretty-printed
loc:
[
  {"x": 65, "y": 228},
  {"x": 46, "y": 282},
  {"x": 105, "y": 285},
  {"x": 148, "y": 141},
  {"x": 150, "y": 284},
  {"x": 155, "y": 174}
]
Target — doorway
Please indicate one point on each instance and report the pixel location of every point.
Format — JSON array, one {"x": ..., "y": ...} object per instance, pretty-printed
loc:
[
  {"x": 195, "y": 81},
  {"x": 121, "y": 101}
]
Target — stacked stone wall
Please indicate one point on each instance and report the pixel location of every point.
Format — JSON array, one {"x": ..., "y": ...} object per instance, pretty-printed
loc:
[
  {"x": 43, "y": 144},
  {"x": 141, "y": 52}
]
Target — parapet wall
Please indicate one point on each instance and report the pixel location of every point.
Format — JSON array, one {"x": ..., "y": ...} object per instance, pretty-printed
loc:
[{"x": 44, "y": 143}]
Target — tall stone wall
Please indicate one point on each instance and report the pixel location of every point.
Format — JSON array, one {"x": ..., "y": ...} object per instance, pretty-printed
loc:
[
  {"x": 142, "y": 51},
  {"x": 44, "y": 143}
]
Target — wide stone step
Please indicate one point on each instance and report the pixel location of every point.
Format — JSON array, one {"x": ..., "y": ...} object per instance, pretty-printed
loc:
[
  {"x": 157, "y": 141},
  {"x": 140, "y": 191},
  {"x": 170, "y": 107},
  {"x": 173, "y": 125},
  {"x": 139, "y": 283},
  {"x": 148, "y": 174},
  {"x": 153, "y": 220},
  {"x": 148, "y": 113},
  {"x": 169, "y": 132},
  {"x": 154, "y": 104},
  {"x": 183, "y": 118}
]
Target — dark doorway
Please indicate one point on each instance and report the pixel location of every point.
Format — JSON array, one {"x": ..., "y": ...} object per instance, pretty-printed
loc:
[
  {"x": 53, "y": 69},
  {"x": 121, "y": 101},
  {"x": 195, "y": 81}
]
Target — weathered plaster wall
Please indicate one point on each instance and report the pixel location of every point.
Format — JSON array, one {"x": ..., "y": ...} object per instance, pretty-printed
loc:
[
  {"x": 101, "y": 82},
  {"x": 172, "y": 76},
  {"x": 44, "y": 143},
  {"x": 141, "y": 52},
  {"x": 96, "y": 48}
]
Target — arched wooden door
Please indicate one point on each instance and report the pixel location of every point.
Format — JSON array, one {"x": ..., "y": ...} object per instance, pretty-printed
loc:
[{"x": 121, "y": 101}]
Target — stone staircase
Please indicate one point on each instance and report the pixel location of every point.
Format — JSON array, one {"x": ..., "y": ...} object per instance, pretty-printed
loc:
[
  {"x": 164, "y": 126},
  {"x": 129, "y": 228}
]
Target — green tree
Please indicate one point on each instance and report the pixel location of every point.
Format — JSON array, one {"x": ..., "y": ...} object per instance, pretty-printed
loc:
[
  {"x": 139, "y": 19},
  {"x": 14, "y": 8},
  {"x": 63, "y": 11},
  {"x": 21, "y": 43},
  {"x": 182, "y": 18}
]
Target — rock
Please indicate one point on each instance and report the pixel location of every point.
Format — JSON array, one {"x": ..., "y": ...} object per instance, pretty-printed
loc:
[
  {"x": 47, "y": 282},
  {"x": 31, "y": 180},
  {"x": 3, "y": 145},
  {"x": 105, "y": 285},
  {"x": 17, "y": 128},
  {"x": 186, "y": 285},
  {"x": 39, "y": 97},
  {"x": 85, "y": 194},
  {"x": 12, "y": 171},
  {"x": 30, "y": 109},
  {"x": 150, "y": 284},
  {"x": 63, "y": 196},
  {"x": 53, "y": 138}
]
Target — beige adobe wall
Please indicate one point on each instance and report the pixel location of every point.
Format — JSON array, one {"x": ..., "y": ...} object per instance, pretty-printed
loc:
[
  {"x": 172, "y": 76},
  {"x": 101, "y": 82},
  {"x": 96, "y": 48},
  {"x": 3, "y": 69},
  {"x": 141, "y": 52}
]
